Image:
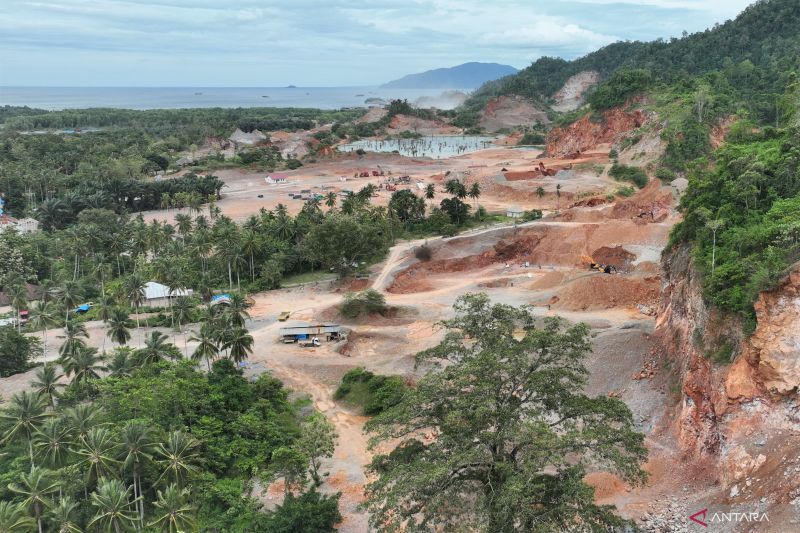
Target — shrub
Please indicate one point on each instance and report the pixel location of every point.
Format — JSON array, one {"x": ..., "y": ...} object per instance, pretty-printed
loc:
[
  {"x": 423, "y": 253},
  {"x": 293, "y": 164},
  {"x": 625, "y": 173},
  {"x": 371, "y": 392},
  {"x": 361, "y": 303},
  {"x": 448, "y": 230},
  {"x": 613, "y": 154},
  {"x": 665, "y": 174},
  {"x": 532, "y": 137},
  {"x": 533, "y": 214},
  {"x": 625, "y": 192}
]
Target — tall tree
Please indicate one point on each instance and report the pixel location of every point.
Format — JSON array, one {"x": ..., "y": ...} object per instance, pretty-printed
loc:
[
  {"x": 156, "y": 348},
  {"x": 14, "y": 518},
  {"x": 207, "y": 348},
  {"x": 175, "y": 513},
  {"x": 511, "y": 432},
  {"x": 113, "y": 503},
  {"x": 42, "y": 317},
  {"x": 97, "y": 451},
  {"x": 137, "y": 448},
  {"x": 177, "y": 457},
  {"x": 317, "y": 441},
  {"x": 239, "y": 344},
  {"x": 47, "y": 382},
  {"x": 84, "y": 366},
  {"x": 62, "y": 516},
  {"x": 24, "y": 414},
  {"x": 118, "y": 327},
  {"x": 36, "y": 487}
]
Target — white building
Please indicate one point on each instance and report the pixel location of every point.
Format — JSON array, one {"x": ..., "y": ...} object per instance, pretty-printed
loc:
[
  {"x": 514, "y": 212},
  {"x": 157, "y": 294}
]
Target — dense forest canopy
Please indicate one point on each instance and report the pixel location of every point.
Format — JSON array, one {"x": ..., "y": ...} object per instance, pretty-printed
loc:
[{"x": 764, "y": 34}]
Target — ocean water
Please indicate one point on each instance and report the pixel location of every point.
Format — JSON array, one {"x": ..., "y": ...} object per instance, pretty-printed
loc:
[
  {"x": 435, "y": 147},
  {"x": 53, "y": 98}
]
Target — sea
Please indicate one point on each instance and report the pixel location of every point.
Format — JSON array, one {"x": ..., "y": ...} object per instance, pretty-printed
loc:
[{"x": 56, "y": 98}]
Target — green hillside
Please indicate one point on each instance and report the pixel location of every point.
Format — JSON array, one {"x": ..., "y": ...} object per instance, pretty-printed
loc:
[{"x": 765, "y": 34}]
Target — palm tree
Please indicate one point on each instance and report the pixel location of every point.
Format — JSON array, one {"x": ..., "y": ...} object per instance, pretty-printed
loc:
[
  {"x": 105, "y": 310},
  {"x": 430, "y": 192},
  {"x": 14, "y": 518},
  {"x": 19, "y": 301},
  {"x": 74, "y": 333},
  {"x": 84, "y": 366},
  {"x": 41, "y": 317},
  {"x": 134, "y": 292},
  {"x": 70, "y": 295},
  {"x": 121, "y": 363},
  {"x": 155, "y": 348},
  {"x": 330, "y": 200},
  {"x": 137, "y": 448},
  {"x": 240, "y": 344},
  {"x": 52, "y": 441},
  {"x": 97, "y": 451},
  {"x": 24, "y": 414},
  {"x": 236, "y": 311},
  {"x": 35, "y": 487},
  {"x": 540, "y": 191},
  {"x": 184, "y": 223},
  {"x": 118, "y": 327},
  {"x": 112, "y": 499},
  {"x": 207, "y": 348},
  {"x": 176, "y": 456},
  {"x": 475, "y": 193},
  {"x": 81, "y": 418},
  {"x": 175, "y": 511},
  {"x": 47, "y": 382},
  {"x": 62, "y": 515},
  {"x": 182, "y": 309},
  {"x": 250, "y": 245}
]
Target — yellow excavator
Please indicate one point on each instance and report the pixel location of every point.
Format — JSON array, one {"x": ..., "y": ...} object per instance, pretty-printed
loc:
[{"x": 594, "y": 265}]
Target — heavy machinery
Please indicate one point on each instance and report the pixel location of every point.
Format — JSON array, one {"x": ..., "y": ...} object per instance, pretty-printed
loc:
[{"x": 594, "y": 265}]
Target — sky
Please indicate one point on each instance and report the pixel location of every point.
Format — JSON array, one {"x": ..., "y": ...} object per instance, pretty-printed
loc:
[{"x": 266, "y": 43}]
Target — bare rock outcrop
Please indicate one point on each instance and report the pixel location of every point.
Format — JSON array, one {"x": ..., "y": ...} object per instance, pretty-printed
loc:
[
  {"x": 775, "y": 346},
  {"x": 586, "y": 133},
  {"x": 570, "y": 96}
]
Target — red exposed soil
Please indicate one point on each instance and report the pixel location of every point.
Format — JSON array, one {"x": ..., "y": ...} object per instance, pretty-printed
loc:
[
  {"x": 618, "y": 257},
  {"x": 585, "y": 133},
  {"x": 604, "y": 291},
  {"x": 652, "y": 204}
]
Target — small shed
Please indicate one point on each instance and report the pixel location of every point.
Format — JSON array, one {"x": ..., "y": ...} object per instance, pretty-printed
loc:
[
  {"x": 274, "y": 179},
  {"x": 514, "y": 212},
  {"x": 323, "y": 331}
]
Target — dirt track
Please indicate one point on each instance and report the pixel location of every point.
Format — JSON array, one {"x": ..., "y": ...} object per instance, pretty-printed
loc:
[{"x": 537, "y": 264}]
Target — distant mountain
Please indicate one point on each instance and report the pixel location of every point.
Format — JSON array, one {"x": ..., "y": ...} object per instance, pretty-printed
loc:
[{"x": 466, "y": 76}]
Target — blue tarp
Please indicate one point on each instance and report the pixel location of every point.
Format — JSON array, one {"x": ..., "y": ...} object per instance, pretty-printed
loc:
[
  {"x": 82, "y": 308},
  {"x": 220, "y": 297}
]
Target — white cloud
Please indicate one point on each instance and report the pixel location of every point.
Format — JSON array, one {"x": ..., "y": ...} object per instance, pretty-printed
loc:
[{"x": 316, "y": 42}]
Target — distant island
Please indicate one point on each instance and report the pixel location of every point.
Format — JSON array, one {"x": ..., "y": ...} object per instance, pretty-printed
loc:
[{"x": 465, "y": 76}]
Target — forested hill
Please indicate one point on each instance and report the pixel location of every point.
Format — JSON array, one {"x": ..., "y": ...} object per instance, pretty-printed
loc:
[{"x": 767, "y": 34}]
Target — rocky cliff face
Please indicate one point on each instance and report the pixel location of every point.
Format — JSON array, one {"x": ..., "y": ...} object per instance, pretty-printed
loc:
[
  {"x": 732, "y": 413},
  {"x": 586, "y": 133}
]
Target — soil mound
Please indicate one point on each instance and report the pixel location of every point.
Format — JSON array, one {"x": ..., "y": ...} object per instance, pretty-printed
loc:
[
  {"x": 651, "y": 204},
  {"x": 618, "y": 257},
  {"x": 603, "y": 291}
]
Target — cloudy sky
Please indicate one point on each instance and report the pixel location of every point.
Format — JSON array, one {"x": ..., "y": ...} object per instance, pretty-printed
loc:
[{"x": 263, "y": 43}]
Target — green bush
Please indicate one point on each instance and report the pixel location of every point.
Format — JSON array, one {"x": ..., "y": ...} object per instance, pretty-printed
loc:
[
  {"x": 363, "y": 303},
  {"x": 533, "y": 214},
  {"x": 532, "y": 137},
  {"x": 625, "y": 173},
  {"x": 372, "y": 393}
]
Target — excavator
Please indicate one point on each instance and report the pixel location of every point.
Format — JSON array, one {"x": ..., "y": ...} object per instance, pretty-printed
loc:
[{"x": 594, "y": 265}]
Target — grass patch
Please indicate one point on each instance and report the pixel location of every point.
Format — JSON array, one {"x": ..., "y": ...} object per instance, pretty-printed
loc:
[
  {"x": 635, "y": 175},
  {"x": 369, "y": 393}
]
